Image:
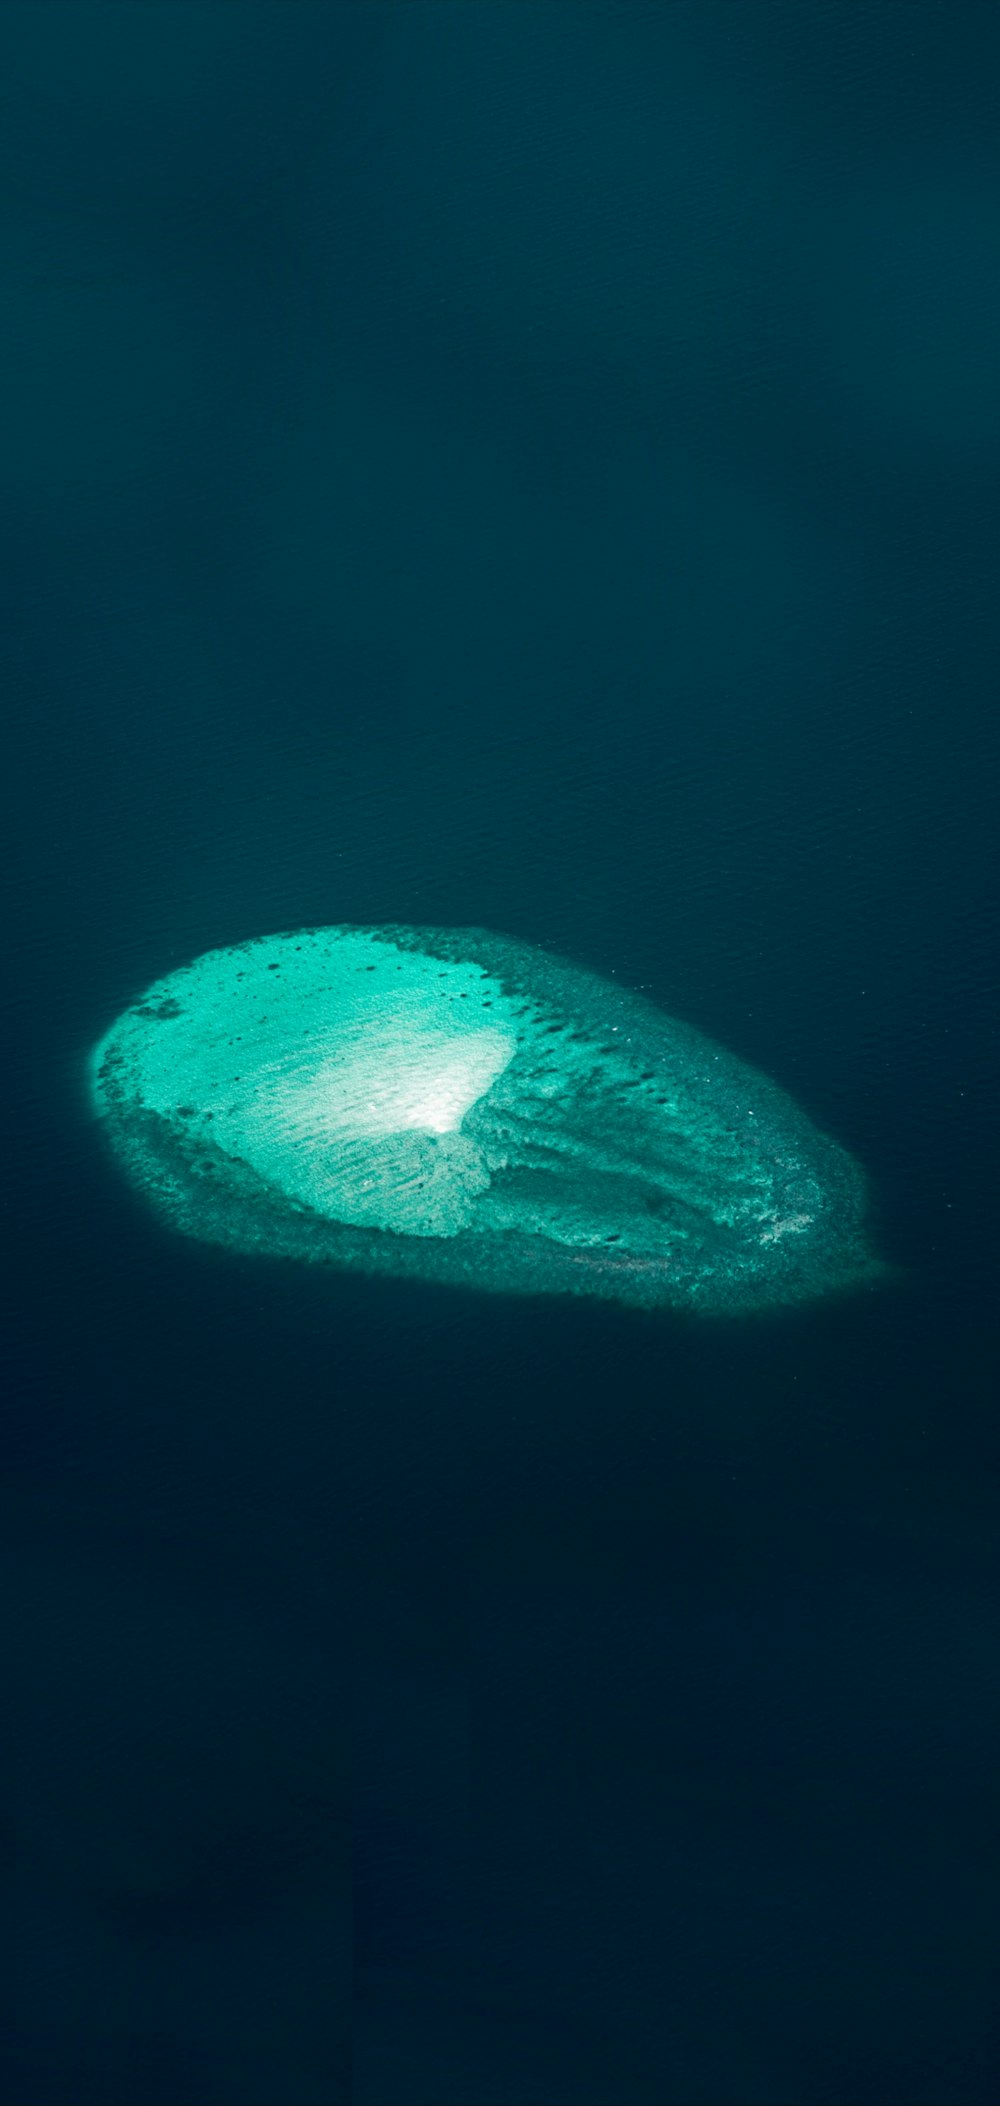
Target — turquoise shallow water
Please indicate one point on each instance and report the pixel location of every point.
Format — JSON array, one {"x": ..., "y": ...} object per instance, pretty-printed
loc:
[
  {"x": 527, "y": 469},
  {"x": 446, "y": 1104}
]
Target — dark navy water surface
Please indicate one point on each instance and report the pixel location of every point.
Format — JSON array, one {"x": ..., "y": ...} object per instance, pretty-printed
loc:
[{"x": 531, "y": 465}]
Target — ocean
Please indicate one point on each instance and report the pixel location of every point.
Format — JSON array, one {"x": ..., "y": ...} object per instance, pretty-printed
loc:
[{"x": 529, "y": 465}]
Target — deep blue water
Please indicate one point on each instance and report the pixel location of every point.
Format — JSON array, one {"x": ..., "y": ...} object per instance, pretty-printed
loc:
[{"x": 532, "y": 465}]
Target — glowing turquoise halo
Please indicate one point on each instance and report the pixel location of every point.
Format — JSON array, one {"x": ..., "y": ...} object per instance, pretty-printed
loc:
[{"x": 452, "y": 1105}]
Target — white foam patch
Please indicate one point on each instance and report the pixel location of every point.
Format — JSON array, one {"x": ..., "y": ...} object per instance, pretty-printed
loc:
[{"x": 394, "y": 1081}]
